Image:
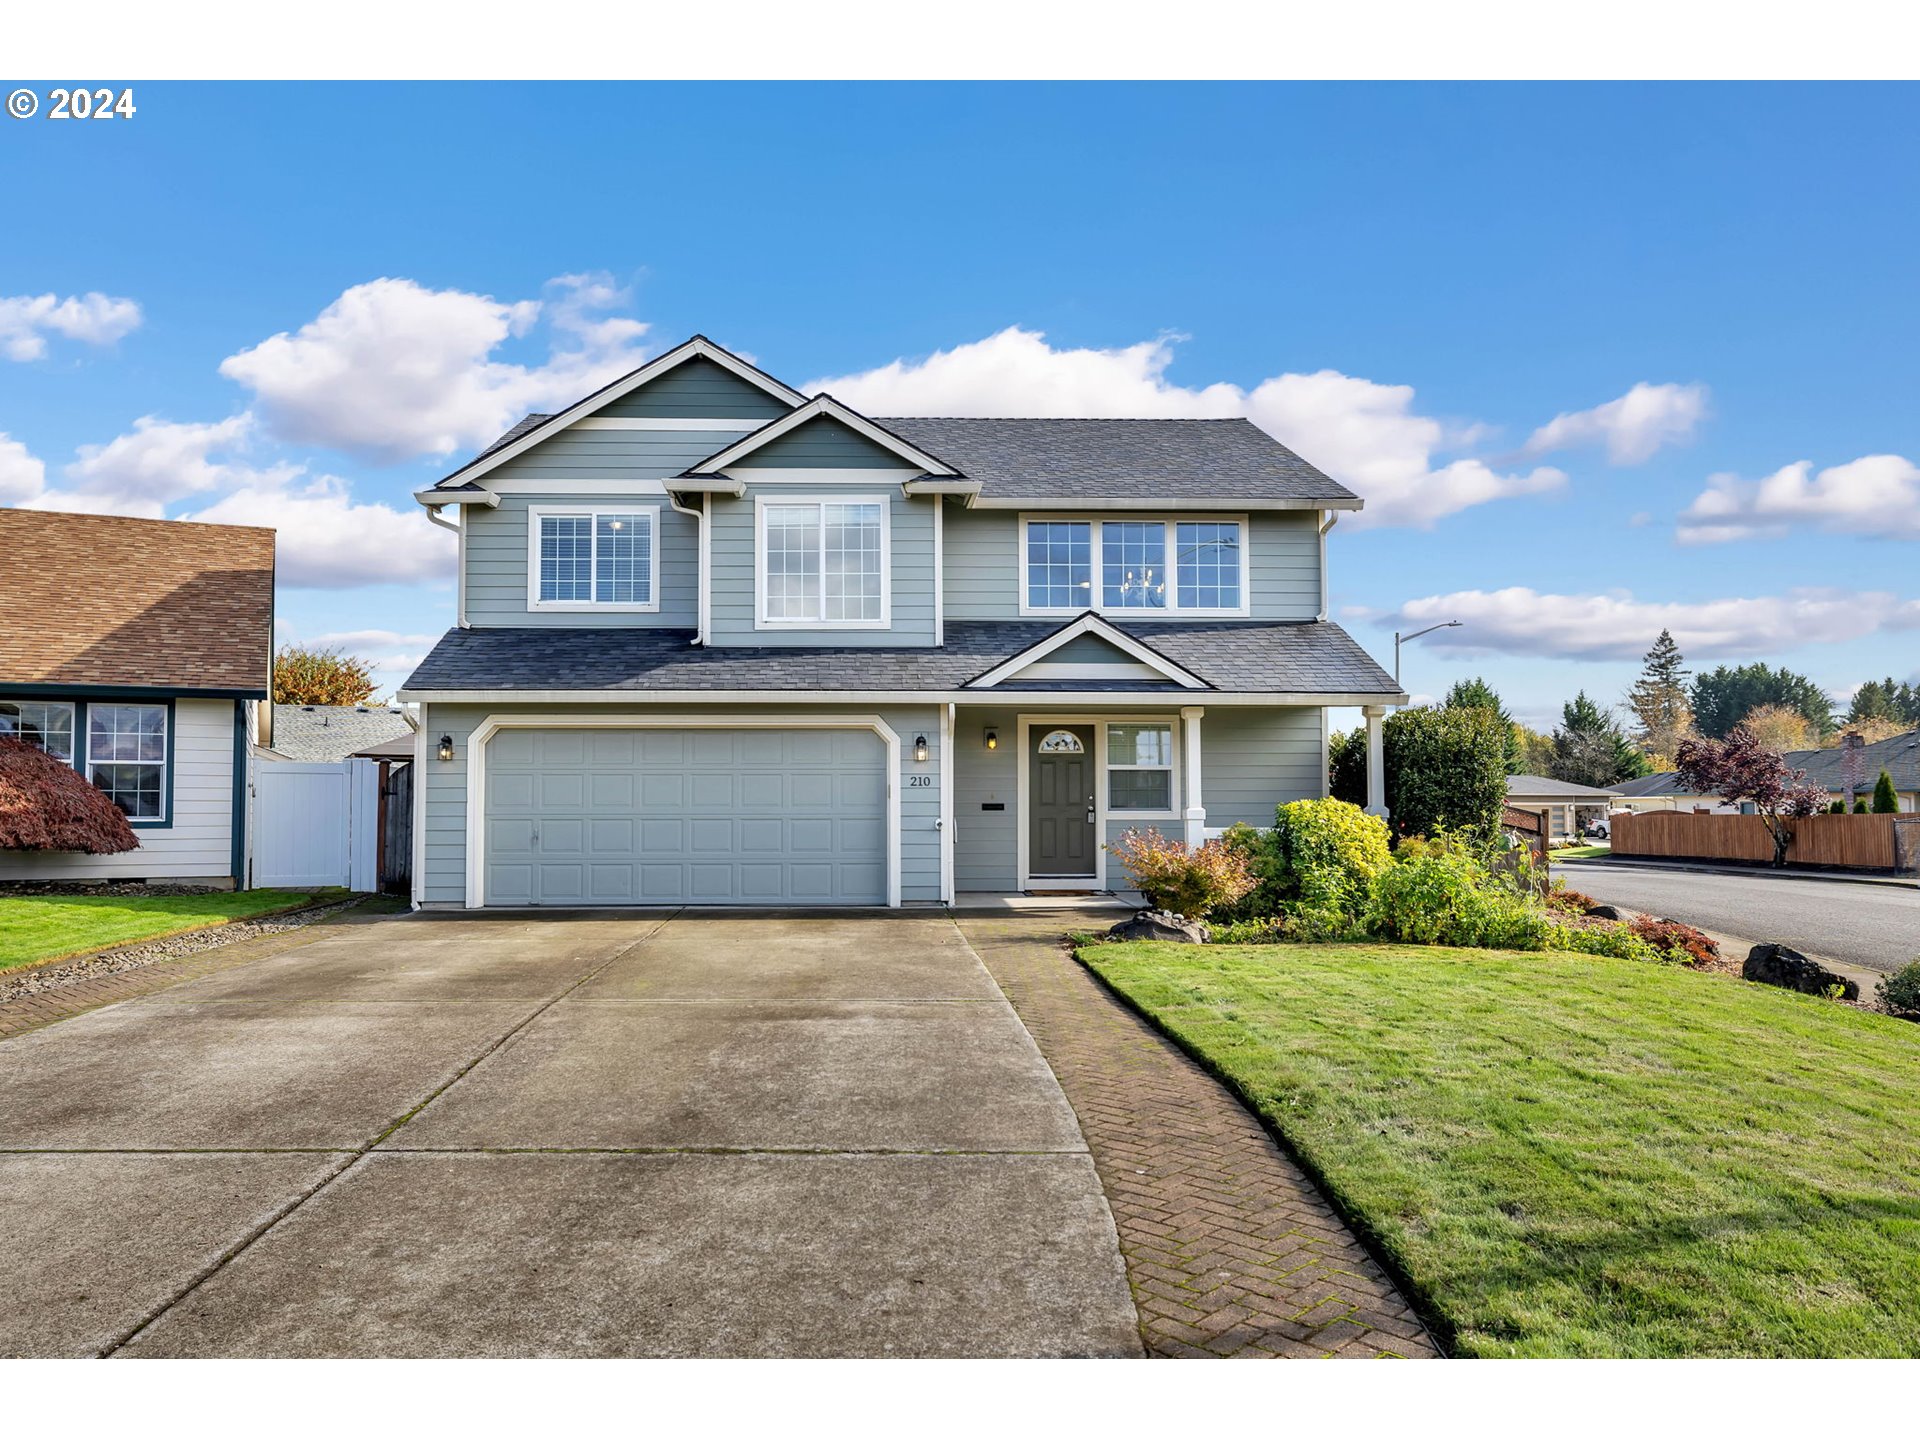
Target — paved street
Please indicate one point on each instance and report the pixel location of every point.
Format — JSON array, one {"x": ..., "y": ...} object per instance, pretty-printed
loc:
[{"x": 1876, "y": 927}]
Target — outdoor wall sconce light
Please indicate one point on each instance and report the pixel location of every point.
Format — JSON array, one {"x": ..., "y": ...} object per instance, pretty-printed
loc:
[
  {"x": 920, "y": 749},
  {"x": 446, "y": 747},
  {"x": 993, "y": 739}
]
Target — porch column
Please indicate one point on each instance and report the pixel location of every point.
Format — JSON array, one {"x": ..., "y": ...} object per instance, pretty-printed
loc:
[
  {"x": 1376, "y": 761},
  {"x": 1196, "y": 811}
]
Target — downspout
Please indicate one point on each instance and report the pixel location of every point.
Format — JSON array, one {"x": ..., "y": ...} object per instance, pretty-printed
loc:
[
  {"x": 700, "y": 523},
  {"x": 459, "y": 528},
  {"x": 1328, "y": 519}
]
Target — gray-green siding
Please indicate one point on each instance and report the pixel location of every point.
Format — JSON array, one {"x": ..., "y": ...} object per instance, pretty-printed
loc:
[
  {"x": 497, "y": 567},
  {"x": 822, "y": 442},
  {"x": 444, "y": 834},
  {"x": 983, "y": 565},
  {"x": 732, "y": 583},
  {"x": 578, "y": 454},
  {"x": 699, "y": 390}
]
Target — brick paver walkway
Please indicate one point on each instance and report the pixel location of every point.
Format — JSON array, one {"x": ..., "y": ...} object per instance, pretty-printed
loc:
[
  {"x": 1230, "y": 1248},
  {"x": 76, "y": 997}
]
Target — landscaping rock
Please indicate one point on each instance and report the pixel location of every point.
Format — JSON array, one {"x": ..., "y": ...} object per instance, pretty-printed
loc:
[
  {"x": 1160, "y": 925},
  {"x": 1784, "y": 966},
  {"x": 1607, "y": 912}
]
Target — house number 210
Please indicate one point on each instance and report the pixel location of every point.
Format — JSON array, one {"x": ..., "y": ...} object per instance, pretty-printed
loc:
[{"x": 919, "y": 782}]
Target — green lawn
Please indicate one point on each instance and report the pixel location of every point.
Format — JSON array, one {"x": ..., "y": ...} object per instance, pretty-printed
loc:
[
  {"x": 45, "y": 927},
  {"x": 1580, "y": 852},
  {"x": 1571, "y": 1155}
]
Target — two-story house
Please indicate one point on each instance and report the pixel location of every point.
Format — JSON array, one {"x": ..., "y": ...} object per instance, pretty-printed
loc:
[{"x": 720, "y": 643}]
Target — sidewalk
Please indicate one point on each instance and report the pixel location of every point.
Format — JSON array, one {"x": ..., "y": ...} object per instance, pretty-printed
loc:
[{"x": 1708, "y": 867}]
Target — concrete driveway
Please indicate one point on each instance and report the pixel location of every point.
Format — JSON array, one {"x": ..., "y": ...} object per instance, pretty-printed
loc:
[{"x": 571, "y": 1135}]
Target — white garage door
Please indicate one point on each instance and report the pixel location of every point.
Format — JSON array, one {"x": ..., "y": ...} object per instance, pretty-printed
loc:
[{"x": 686, "y": 817}]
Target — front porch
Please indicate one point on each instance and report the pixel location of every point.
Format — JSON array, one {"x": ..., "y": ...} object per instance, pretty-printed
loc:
[{"x": 1036, "y": 795}]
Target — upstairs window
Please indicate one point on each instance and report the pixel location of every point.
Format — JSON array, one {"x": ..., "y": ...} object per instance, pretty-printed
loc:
[
  {"x": 823, "y": 562},
  {"x": 1135, "y": 566},
  {"x": 44, "y": 724},
  {"x": 587, "y": 559}
]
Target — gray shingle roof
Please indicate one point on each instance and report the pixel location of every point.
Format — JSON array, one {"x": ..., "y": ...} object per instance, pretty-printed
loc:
[
  {"x": 333, "y": 732},
  {"x": 1120, "y": 459},
  {"x": 1647, "y": 786},
  {"x": 1306, "y": 657},
  {"x": 1545, "y": 787},
  {"x": 1899, "y": 756}
]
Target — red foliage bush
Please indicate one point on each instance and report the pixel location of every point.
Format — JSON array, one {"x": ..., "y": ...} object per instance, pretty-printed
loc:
[
  {"x": 1187, "y": 882},
  {"x": 1670, "y": 935},
  {"x": 1574, "y": 902},
  {"x": 45, "y": 804}
]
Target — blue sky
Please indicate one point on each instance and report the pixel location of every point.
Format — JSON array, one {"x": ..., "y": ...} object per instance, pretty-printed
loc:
[{"x": 1405, "y": 282}]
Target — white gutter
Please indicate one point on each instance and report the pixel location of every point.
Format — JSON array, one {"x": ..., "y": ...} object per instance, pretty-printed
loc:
[
  {"x": 1001, "y": 699},
  {"x": 1204, "y": 502},
  {"x": 700, "y": 524},
  {"x": 1326, "y": 524},
  {"x": 433, "y": 499}
]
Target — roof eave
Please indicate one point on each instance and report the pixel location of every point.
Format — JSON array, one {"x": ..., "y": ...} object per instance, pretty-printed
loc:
[{"x": 1181, "y": 502}]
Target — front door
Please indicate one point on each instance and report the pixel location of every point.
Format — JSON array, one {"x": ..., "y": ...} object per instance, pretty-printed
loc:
[{"x": 1060, "y": 808}]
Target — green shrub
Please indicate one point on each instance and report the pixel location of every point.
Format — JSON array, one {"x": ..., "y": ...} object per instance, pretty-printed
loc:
[
  {"x": 1450, "y": 897},
  {"x": 1860, "y": 806},
  {"x": 1446, "y": 770},
  {"x": 1347, "y": 766},
  {"x": 1265, "y": 930},
  {"x": 1838, "y": 807},
  {"x": 1899, "y": 993},
  {"x": 1187, "y": 882},
  {"x": 1615, "y": 940},
  {"x": 1259, "y": 851},
  {"x": 1329, "y": 853},
  {"x": 1885, "y": 801}
]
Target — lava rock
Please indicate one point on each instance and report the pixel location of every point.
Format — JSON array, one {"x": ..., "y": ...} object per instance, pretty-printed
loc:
[
  {"x": 1160, "y": 925},
  {"x": 1784, "y": 966}
]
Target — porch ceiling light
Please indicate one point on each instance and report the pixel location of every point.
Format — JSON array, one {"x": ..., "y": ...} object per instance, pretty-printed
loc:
[
  {"x": 446, "y": 747},
  {"x": 993, "y": 739},
  {"x": 920, "y": 748}
]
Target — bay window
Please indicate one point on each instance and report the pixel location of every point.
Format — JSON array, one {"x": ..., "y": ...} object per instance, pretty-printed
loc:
[
  {"x": 1160, "y": 565},
  {"x": 586, "y": 559},
  {"x": 823, "y": 562}
]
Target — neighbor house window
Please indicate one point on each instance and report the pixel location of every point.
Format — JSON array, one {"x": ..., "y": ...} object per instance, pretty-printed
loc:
[
  {"x": 127, "y": 757},
  {"x": 590, "y": 558},
  {"x": 1155, "y": 566},
  {"x": 823, "y": 562},
  {"x": 1140, "y": 767},
  {"x": 44, "y": 724}
]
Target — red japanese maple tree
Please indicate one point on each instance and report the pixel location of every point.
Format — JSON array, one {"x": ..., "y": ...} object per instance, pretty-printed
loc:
[
  {"x": 1739, "y": 769},
  {"x": 45, "y": 804}
]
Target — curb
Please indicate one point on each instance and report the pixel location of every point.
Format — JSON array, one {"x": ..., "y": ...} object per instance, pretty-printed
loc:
[{"x": 1769, "y": 872}]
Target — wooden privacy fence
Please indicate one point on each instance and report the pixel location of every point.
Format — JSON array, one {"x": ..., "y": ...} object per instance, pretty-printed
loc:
[{"x": 1851, "y": 842}]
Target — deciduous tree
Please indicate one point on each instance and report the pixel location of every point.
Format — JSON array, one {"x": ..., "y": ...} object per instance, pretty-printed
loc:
[
  {"x": 305, "y": 676},
  {"x": 1739, "y": 769},
  {"x": 45, "y": 804},
  {"x": 1781, "y": 727}
]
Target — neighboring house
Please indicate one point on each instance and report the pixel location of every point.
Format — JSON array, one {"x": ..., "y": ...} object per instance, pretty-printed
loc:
[
  {"x": 333, "y": 732},
  {"x": 137, "y": 651},
  {"x": 718, "y": 642},
  {"x": 1898, "y": 755},
  {"x": 1563, "y": 801},
  {"x": 1664, "y": 792}
]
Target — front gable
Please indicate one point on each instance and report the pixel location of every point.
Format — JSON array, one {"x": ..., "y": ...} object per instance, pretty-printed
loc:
[
  {"x": 698, "y": 389},
  {"x": 823, "y": 442},
  {"x": 1088, "y": 650}
]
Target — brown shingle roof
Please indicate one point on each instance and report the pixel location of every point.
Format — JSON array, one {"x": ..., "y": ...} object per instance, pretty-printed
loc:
[{"x": 106, "y": 600}]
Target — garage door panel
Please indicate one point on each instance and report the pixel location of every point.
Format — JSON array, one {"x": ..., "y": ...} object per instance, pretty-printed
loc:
[{"x": 744, "y": 816}]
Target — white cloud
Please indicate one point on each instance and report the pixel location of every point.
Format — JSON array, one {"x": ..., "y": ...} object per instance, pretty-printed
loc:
[
  {"x": 1615, "y": 626},
  {"x": 329, "y": 541},
  {"x": 1632, "y": 428},
  {"x": 22, "y": 476},
  {"x": 1874, "y": 495},
  {"x": 392, "y": 370},
  {"x": 1364, "y": 434},
  {"x": 154, "y": 464},
  {"x": 92, "y": 319}
]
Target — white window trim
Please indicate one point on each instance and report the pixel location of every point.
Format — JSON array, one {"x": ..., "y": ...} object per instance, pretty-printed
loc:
[
  {"x": 537, "y": 513},
  {"x": 78, "y": 742},
  {"x": 761, "y": 620},
  {"x": 1172, "y": 767},
  {"x": 83, "y": 748},
  {"x": 1173, "y": 610},
  {"x": 1024, "y": 725}
]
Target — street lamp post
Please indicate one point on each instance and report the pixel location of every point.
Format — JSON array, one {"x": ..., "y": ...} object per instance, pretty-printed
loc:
[{"x": 1399, "y": 640}]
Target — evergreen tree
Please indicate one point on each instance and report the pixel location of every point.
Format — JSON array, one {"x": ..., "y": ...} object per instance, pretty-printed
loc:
[
  {"x": 1887, "y": 700},
  {"x": 1589, "y": 748},
  {"x": 1725, "y": 696},
  {"x": 1885, "y": 800},
  {"x": 1659, "y": 701},
  {"x": 1476, "y": 694}
]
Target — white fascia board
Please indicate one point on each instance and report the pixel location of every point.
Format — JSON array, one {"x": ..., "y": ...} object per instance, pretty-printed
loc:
[
  {"x": 699, "y": 347},
  {"x": 1104, "y": 630},
  {"x": 942, "y": 487},
  {"x": 705, "y": 485},
  {"x": 1172, "y": 502},
  {"x": 1035, "y": 700},
  {"x": 434, "y": 499},
  {"x": 822, "y": 405}
]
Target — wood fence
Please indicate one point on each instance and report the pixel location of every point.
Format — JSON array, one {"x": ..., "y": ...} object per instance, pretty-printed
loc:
[{"x": 1851, "y": 842}]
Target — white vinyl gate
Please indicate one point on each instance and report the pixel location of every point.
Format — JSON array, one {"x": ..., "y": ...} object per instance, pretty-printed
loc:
[{"x": 316, "y": 824}]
